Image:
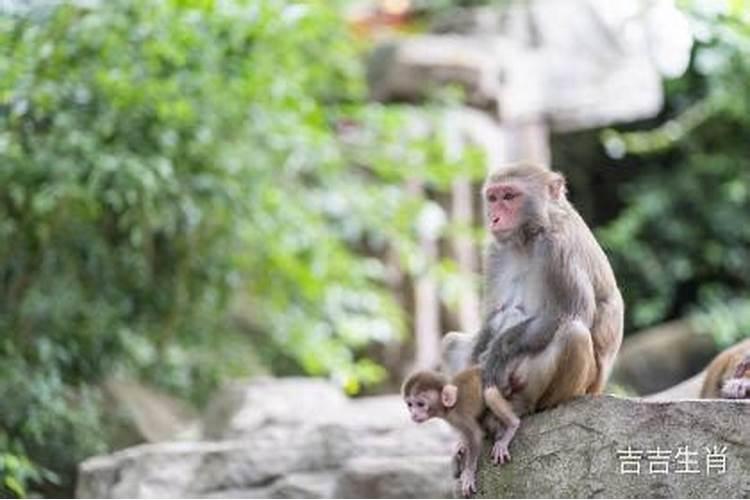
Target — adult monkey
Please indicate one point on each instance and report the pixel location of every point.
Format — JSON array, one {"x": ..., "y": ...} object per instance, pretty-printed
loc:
[{"x": 543, "y": 263}]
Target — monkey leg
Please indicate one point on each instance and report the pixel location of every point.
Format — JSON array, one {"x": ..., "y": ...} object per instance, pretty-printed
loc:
[
  {"x": 575, "y": 367},
  {"x": 564, "y": 370},
  {"x": 472, "y": 435},
  {"x": 503, "y": 410},
  {"x": 455, "y": 352},
  {"x": 606, "y": 334}
]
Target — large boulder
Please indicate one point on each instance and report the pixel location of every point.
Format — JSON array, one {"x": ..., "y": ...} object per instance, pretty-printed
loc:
[
  {"x": 662, "y": 356},
  {"x": 578, "y": 450},
  {"x": 404, "y": 477},
  {"x": 285, "y": 438},
  {"x": 243, "y": 407}
]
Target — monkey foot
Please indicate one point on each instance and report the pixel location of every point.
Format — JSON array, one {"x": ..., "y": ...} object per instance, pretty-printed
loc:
[
  {"x": 736, "y": 388},
  {"x": 468, "y": 483},
  {"x": 500, "y": 453}
]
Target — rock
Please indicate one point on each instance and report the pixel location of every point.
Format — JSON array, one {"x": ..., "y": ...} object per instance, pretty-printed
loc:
[
  {"x": 571, "y": 450},
  {"x": 243, "y": 407},
  {"x": 296, "y": 485},
  {"x": 410, "y": 69},
  {"x": 159, "y": 470},
  {"x": 430, "y": 438},
  {"x": 404, "y": 477},
  {"x": 147, "y": 414},
  {"x": 662, "y": 356},
  {"x": 375, "y": 414},
  {"x": 286, "y": 446},
  {"x": 577, "y": 64},
  {"x": 283, "y": 438},
  {"x": 305, "y": 485},
  {"x": 199, "y": 469}
]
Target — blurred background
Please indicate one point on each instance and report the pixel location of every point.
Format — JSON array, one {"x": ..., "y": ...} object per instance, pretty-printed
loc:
[{"x": 199, "y": 191}]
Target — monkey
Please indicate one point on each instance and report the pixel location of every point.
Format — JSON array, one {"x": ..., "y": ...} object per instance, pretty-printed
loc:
[
  {"x": 728, "y": 375},
  {"x": 462, "y": 402},
  {"x": 543, "y": 262}
]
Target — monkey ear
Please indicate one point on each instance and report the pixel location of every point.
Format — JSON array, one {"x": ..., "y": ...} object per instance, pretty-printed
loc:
[
  {"x": 556, "y": 186},
  {"x": 449, "y": 395}
]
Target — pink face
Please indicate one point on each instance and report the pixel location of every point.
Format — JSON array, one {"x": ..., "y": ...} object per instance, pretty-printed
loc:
[
  {"x": 422, "y": 405},
  {"x": 503, "y": 202}
]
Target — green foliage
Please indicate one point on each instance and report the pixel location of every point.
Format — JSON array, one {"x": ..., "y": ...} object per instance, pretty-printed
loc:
[
  {"x": 684, "y": 239},
  {"x": 16, "y": 470},
  {"x": 727, "y": 322},
  {"x": 161, "y": 161}
]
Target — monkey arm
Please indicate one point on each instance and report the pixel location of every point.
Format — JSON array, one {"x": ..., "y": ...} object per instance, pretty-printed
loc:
[
  {"x": 484, "y": 337},
  {"x": 529, "y": 336}
]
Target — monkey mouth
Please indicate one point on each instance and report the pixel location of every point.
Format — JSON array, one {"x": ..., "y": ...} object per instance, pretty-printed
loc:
[{"x": 417, "y": 419}]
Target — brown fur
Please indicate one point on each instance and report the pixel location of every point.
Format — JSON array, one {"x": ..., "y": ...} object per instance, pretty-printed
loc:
[
  {"x": 569, "y": 288},
  {"x": 724, "y": 367},
  {"x": 472, "y": 404}
]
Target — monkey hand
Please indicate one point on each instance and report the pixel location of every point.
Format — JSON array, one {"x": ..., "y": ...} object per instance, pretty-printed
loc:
[
  {"x": 500, "y": 453},
  {"x": 468, "y": 482},
  {"x": 736, "y": 388}
]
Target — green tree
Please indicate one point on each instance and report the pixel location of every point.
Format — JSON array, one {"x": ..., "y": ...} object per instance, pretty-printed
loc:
[
  {"x": 683, "y": 241},
  {"x": 161, "y": 162}
]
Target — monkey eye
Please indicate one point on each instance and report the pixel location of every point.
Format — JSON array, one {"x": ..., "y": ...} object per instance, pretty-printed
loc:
[
  {"x": 492, "y": 198},
  {"x": 420, "y": 404},
  {"x": 510, "y": 195}
]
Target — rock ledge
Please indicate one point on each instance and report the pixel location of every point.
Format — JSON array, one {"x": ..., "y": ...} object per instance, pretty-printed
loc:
[
  {"x": 301, "y": 438},
  {"x": 572, "y": 451}
]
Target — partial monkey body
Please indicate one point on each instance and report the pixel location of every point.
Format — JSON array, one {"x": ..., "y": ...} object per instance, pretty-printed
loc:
[
  {"x": 728, "y": 375},
  {"x": 463, "y": 403}
]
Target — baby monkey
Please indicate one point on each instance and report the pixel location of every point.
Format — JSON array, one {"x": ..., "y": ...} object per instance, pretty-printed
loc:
[{"x": 462, "y": 402}]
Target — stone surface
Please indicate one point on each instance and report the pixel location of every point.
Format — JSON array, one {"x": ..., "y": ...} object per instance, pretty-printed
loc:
[
  {"x": 404, "y": 477},
  {"x": 284, "y": 438},
  {"x": 571, "y": 451},
  {"x": 287, "y": 446},
  {"x": 243, "y": 407}
]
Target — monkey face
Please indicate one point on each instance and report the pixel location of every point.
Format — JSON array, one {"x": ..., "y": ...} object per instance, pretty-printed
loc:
[
  {"x": 422, "y": 405},
  {"x": 504, "y": 202}
]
